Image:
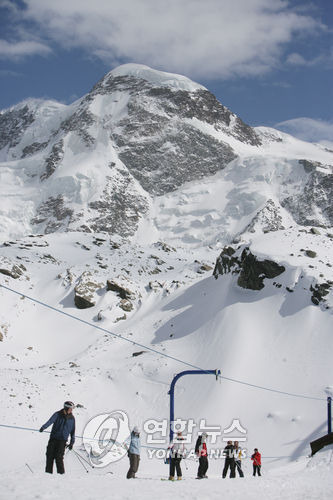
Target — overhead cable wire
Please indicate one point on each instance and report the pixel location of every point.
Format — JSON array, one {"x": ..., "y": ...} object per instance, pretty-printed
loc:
[{"x": 155, "y": 351}]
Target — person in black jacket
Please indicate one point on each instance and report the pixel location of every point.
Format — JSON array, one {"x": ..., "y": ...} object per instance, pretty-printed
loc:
[
  {"x": 202, "y": 453},
  {"x": 228, "y": 452},
  {"x": 63, "y": 425}
]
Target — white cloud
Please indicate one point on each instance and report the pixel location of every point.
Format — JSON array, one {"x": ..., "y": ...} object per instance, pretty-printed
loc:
[
  {"x": 308, "y": 129},
  {"x": 17, "y": 50},
  {"x": 210, "y": 38},
  {"x": 296, "y": 59}
]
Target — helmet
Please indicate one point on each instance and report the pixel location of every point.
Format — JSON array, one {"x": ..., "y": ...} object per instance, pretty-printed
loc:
[
  {"x": 136, "y": 429},
  {"x": 69, "y": 404}
]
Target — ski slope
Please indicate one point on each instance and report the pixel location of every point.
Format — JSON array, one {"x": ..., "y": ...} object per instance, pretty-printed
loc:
[
  {"x": 273, "y": 346},
  {"x": 309, "y": 478}
]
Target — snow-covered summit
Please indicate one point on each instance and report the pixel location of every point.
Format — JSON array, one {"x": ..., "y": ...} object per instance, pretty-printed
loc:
[
  {"x": 35, "y": 104},
  {"x": 155, "y": 77}
]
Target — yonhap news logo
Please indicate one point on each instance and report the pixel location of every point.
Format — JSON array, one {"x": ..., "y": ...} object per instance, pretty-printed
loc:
[
  {"x": 104, "y": 438},
  {"x": 107, "y": 437}
]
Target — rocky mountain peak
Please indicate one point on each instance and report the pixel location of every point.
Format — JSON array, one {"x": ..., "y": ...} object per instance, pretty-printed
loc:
[{"x": 140, "y": 134}]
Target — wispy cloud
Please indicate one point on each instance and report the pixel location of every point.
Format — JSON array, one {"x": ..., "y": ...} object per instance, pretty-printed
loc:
[
  {"x": 296, "y": 59},
  {"x": 18, "y": 50},
  {"x": 211, "y": 38},
  {"x": 308, "y": 129}
]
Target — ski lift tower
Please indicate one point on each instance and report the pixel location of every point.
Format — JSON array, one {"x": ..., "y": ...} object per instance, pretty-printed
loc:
[{"x": 172, "y": 391}]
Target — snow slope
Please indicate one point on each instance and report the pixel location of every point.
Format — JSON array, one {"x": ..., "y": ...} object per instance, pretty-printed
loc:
[
  {"x": 272, "y": 345},
  {"x": 306, "y": 480}
]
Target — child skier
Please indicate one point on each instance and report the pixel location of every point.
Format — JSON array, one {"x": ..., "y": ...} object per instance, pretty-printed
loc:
[
  {"x": 134, "y": 453},
  {"x": 177, "y": 452},
  {"x": 256, "y": 458}
]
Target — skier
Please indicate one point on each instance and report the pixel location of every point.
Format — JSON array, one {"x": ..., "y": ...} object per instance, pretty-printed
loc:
[
  {"x": 177, "y": 452},
  {"x": 256, "y": 458},
  {"x": 238, "y": 458},
  {"x": 63, "y": 425},
  {"x": 228, "y": 452},
  {"x": 134, "y": 453},
  {"x": 201, "y": 452}
]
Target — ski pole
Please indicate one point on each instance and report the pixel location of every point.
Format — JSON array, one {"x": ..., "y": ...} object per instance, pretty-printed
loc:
[
  {"x": 78, "y": 457},
  {"x": 84, "y": 459},
  {"x": 29, "y": 468}
]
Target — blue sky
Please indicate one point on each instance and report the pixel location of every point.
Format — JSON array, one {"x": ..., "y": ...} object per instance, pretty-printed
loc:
[{"x": 269, "y": 61}]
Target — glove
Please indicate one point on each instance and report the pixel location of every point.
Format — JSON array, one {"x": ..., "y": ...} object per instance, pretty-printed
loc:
[
  {"x": 70, "y": 446},
  {"x": 41, "y": 429}
]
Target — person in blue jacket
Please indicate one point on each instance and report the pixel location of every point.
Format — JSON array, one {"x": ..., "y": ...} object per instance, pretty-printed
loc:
[
  {"x": 134, "y": 453},
  {"x": 63, "y": 425}
]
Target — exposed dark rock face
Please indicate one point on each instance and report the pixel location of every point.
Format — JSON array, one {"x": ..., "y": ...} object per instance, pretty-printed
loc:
[
  {"x": 79, "y": 122},
  {"x": 226, "y": 262},
  {"x": 15, "y": 271},
  {"x": 319, "y": 291},
  {"x": 316, "y": 197},
  {"x": 109, "y": 84},
  {"x": 160, "y": 169},
  {"x": 119, "y": 208},
  {"x": 126, "y": 305},
  {"x": 309, "y": 166},
  {"x": 33, "y": 148},
  {"x": 200, "y": 104},
  {"x": 251, "y": 270},
  {"x": 162, "y": 148},
  {"x": 13, "y": 124},
  {"x": 82, "y": 302},
  {"x": 267, "y": 219},
  {"x": 54, "y": 213},
  {"x": 121, "y": 291},
  {"x": 53, "y": 160},
  {"x": 85, "y": 290}
]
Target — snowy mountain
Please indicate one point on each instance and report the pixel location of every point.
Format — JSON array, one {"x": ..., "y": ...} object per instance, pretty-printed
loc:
[
  {"x": 98, "y": 164},
  {"x": 149, "y": 210}
]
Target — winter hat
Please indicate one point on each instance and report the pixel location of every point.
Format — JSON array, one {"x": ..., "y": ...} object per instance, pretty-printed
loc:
[{"x": 69, "y": 404}]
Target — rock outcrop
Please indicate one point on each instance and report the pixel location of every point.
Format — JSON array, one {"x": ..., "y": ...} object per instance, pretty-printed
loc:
[
  {"x": 250, "y": 269},
  {"x": 84, "y": 291}
]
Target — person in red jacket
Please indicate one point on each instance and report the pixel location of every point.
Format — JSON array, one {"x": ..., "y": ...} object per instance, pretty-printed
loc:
[{"x": 256, "y": 458}]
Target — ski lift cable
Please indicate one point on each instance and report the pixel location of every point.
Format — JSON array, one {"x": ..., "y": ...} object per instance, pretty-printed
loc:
[
  {"x": 142, "y": 446},
  {"x": 6, "y": 426},
  {"x": 133, "y": 342}
]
